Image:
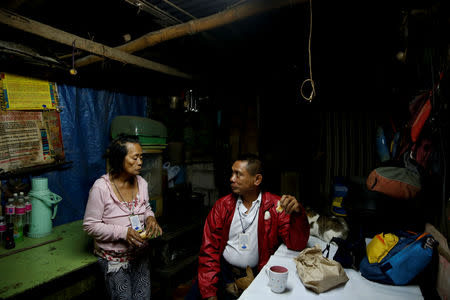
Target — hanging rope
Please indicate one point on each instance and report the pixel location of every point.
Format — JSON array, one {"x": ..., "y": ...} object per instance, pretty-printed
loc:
[
  {"x": 73, "y": 71},
  {"x": 310, "y": 80}
]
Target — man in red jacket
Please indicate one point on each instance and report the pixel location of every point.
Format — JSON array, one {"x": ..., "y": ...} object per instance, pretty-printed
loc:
[{"x": 243, "y": 229}]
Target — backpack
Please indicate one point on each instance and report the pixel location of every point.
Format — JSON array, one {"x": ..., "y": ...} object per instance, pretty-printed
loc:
[
  {"x": 397, "y": 182},
  {"x": 407, "y": 259},
  {"x": 350, "y": 251}
]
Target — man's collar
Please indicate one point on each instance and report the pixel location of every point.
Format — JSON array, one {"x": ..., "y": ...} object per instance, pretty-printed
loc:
[{"x": 258, "y": 199}]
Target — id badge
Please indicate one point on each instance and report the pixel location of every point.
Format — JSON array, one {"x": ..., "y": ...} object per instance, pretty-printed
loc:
[
  {"x": 135, "y": 223},
  {"x": 243, "y": 241}
]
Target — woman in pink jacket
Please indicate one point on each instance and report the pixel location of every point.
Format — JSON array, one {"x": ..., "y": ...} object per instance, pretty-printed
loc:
[{"x": 119, "y": 217}]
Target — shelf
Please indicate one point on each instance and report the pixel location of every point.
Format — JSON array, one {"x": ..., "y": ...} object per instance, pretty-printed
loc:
[
  {"x": 173, "y": 233},
  {"x": 169, "y": 270},
  {"x": 33, "y": 169},
  {"x": 36, "y": 262}
]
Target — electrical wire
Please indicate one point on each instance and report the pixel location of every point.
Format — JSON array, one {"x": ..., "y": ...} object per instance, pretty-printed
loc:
[
  {"x": 313, "y": 88},
  {"x": 443, "y": 218},
  {"x": 445, "y": 202}
]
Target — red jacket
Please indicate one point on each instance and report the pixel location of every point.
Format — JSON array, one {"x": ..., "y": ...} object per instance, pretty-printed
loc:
[{"x": 292, "y": 229}]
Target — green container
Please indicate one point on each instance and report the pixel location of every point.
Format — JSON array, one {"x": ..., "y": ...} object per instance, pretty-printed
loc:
[
  {"x": 151, "y": 140},
  {"x": 44, "y": 208},
  {"x": 149, "y": 131}
]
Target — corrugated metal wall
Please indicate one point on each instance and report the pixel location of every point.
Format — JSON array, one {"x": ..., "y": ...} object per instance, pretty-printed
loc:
[{"x": 348, "y": 144}]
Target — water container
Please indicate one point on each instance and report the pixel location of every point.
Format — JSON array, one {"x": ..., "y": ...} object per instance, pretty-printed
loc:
[
  {"x": 10, "y": 211},
  {"x": 28, "y": 208},
  {"x": 19, "y": 220},
  {"x": 340, "y": 191},
  {"x": 381, "y": 145},
  {"x": 16, "y": 198},
  {"x": 44, "y": 204},
  {"x": 2, "y": 229}
]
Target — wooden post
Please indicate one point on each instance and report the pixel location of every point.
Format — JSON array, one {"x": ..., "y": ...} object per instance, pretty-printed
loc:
[
  {"x": 195, "y": 26},
  {"x": 48, "y": 32}
]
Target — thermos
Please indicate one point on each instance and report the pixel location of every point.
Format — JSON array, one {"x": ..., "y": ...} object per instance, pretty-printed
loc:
[{"x": 44, "y": 204}]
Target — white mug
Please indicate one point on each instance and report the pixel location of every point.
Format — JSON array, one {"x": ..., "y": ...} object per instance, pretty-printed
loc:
[{"x": 278, "y": 276}]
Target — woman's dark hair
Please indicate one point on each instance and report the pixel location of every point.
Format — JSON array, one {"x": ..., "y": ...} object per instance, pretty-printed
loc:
[{"x": 117, "y": 150}]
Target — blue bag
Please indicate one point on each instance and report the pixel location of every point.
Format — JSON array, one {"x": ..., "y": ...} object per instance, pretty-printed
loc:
[{"x": 407, "y": 259}]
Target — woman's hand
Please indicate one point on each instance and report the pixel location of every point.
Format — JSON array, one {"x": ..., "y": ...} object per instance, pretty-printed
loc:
[
  {"x": 133, "y": 238},
  {"x": 152, "y": 228}
]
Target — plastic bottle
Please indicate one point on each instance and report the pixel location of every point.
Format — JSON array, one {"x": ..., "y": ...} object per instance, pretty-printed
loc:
[
  {"x": 340, "y": 191},
  {"x": 2, "y": 229},
  {"x": 10, "y": 211},
  {"x": 395, "y": 142},
  {"x": 4, "y": 202},
  {"x": 16, "y": 198},
  {"x": 19, "y": 220},
  {"x": 9, "y": 238},
  {"x": 21, "y": 197},
  {"x": 27, "y": 215},
  {"x": 9, "y": 235},
  {"x": 381, "y": 145}
]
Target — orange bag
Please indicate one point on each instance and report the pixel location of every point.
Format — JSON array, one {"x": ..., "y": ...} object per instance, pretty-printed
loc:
[{"x": 395, "y": 182}]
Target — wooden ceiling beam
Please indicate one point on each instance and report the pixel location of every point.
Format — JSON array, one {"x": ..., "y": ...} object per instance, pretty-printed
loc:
[
  {"x": 228, "y": 16},
  {"x": 19, "y": 22}
]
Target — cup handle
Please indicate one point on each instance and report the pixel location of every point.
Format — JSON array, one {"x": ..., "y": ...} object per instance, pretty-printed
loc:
[{"x": 267, "y": 273}]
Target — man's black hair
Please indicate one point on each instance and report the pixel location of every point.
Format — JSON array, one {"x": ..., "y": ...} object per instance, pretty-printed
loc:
[
  {"x": 117, "y": 150},
  {"x": 254, "y": 163}
]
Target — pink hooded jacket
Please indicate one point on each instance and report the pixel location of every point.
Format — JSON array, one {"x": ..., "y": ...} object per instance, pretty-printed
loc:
[{"x": 107, "y": 219}]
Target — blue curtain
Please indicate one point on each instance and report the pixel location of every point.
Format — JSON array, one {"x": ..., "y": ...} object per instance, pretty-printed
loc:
[{"x": 85, "y": 122}]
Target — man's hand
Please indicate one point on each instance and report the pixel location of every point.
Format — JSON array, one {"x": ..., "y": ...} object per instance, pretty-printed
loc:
[
  {"x": 212, "y": 298},
  {"x": 289, "y": 204}
]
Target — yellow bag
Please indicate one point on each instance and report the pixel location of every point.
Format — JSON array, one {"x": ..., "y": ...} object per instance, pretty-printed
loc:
[{"x": 379, "y": 246}]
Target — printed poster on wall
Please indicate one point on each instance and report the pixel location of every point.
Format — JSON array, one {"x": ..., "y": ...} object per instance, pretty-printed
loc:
[
  {"x": 29, "y": 138},
  {"x": 26, "y": 93}
]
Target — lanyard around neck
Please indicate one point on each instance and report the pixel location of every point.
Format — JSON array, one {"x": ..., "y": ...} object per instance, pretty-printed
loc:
[
  {"x": 133, "y": 205},
  {"x": 242, "y": 224}
]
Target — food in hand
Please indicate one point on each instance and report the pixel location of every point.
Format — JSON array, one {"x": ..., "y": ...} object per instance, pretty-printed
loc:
[
  {"x": 144, "y": 235},
  {"x": 279, "y": 208}
]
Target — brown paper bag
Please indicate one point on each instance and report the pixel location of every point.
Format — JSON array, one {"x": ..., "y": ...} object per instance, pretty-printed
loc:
[{"x": 317, "y": 272}]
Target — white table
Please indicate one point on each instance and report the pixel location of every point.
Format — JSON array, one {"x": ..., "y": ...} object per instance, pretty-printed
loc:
[{"x": 357, "y": 287}]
